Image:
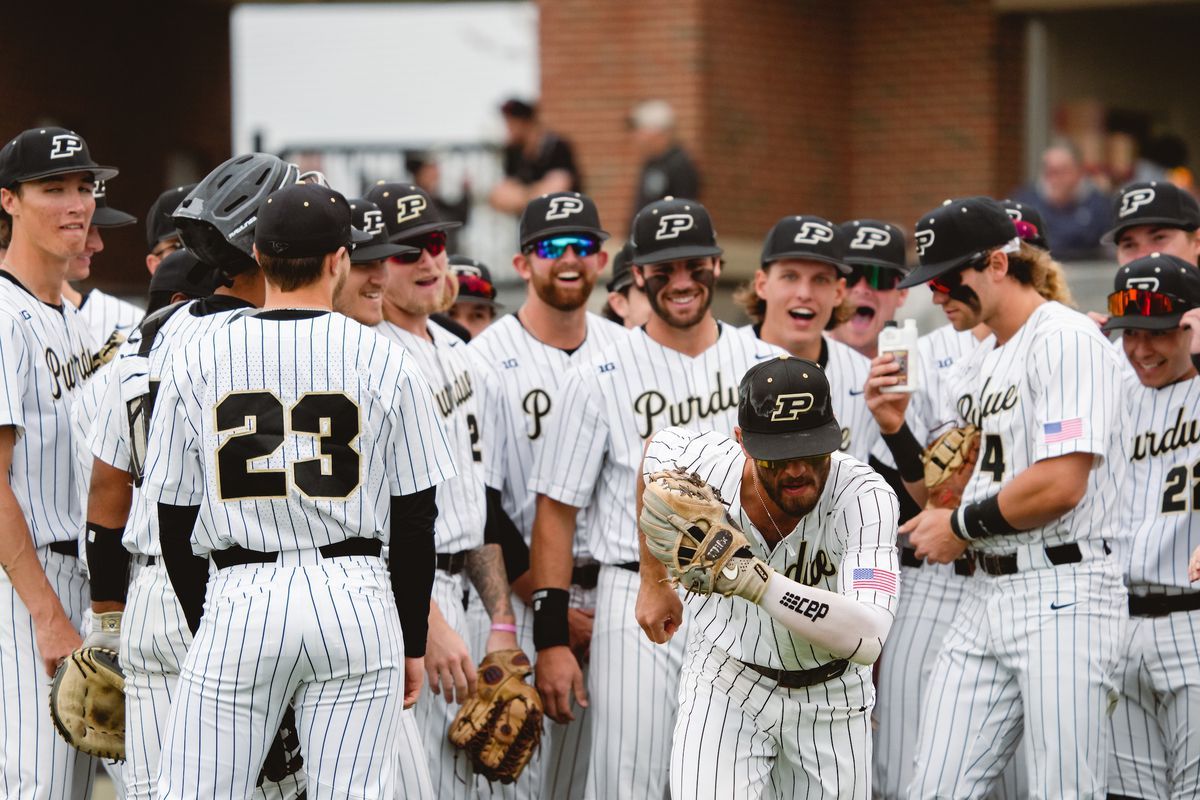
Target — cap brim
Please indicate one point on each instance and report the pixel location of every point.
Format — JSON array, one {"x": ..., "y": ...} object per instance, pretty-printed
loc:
[
  {"x": 98, "y": 173},
  {"x": 1163, "y": 222},
  {"x": 621, "y": 283},
  {"x": 375, "y": 252},
  {"x": 927, "y": 272},
  {"x": 796, "y": 444},
  {"x": 1166, "y": 322},
  {"x": 602, "y": 235},
  {"x": 674, "y": 254},
  {"x": 112, "y": 218},
  {"x": 842, "y": 266},
  {"x": 422, "y": 229},
  {"x": 359, "y": 237}
]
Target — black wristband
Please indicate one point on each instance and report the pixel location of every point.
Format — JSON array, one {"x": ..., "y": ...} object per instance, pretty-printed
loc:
[
  {"x": 983, "y": 519},
  {"x": 907, "y": 452},
  {"x": 550, "y": 627},
  {"x": 108, "y": 563}
]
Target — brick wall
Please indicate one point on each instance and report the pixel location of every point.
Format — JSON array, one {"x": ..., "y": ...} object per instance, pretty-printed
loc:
[{"x": 866, "y": 108}]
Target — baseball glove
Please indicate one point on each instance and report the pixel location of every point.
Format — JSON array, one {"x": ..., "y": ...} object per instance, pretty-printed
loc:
[
  {"x": 87, "y": 702},
  {"x": 688, "y": 529},
  {"x": 949, "y": 464},
  {"x": 501, "y": 725},
  {"x": 283, "y": 759}
]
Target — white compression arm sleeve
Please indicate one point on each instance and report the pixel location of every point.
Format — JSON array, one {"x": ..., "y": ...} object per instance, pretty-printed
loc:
[{"x": 831, "y": 621}]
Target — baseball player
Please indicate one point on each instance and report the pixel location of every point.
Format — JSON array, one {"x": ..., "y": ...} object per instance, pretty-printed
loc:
[
  {"x": 413, "y": 291},
  {"x": 776, "y": 699},
  {"x": 134, "y": 608},
  {"x": 627, "y": 304},
  {"x": 475, "y": 307},
  {"x": 877, "y": 254},
  {"x": 1155, "y": 217},
  {"x": 103, "y": 314},
  {"x": 798, "y": 293},
  {"x": 360, "y": 296},
  {"x": 285, "y": 464},
  {"x": 1031, "y": 652},
  {"x": 1155, "y": 753},
  {"x": 162, "y": 237},
  {"x": 527, "y": 355},
  {"x": 681, "y": 369},
  {"x": 46, "y": 180}
]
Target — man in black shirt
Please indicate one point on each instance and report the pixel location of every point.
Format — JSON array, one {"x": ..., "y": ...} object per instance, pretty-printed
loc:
[
  {"x": 667, "y": 170},
  {"x": 536, "y": 161}
]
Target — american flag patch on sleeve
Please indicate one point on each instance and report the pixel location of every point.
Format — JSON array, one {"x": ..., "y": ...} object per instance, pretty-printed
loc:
[
  {"x": 879, "y": 580},
  {"x": 1063, "y": 431}
]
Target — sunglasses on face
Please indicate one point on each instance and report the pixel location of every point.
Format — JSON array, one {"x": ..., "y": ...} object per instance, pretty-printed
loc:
[
  {"x": 554, "y": 246},
  {"x": 433, "y": 243},
  {"x": 880, "y": 278},
  {"x": 776, "y": 466},
  {"x": 1144, "y": 303}
]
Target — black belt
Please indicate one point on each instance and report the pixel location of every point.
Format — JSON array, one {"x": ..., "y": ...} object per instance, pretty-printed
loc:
[
  {"x": 585, "y": 576},
  {"x": 962, "y": 566},
  {"x": 632, "y": 566},
  {"x": 798, "y": 679},
  {"x": 358, "y": 546},
  {"x": 1006, "y": 564},
  {"x": 1159, "y": 605},
  {"x": 453, "y": 563},
  {"x": 64, "y": 548},
  {"x": 148, "y": 561}
]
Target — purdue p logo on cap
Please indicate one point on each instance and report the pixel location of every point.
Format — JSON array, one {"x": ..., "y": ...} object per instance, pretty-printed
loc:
[
  {"x": 409, "y": 207},
  {"x": 785, "y": 411},
  {"x": 789, "y": 407},
  {"x": 671, "y": 225}
]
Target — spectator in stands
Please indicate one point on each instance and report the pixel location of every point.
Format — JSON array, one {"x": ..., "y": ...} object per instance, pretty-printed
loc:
[
  {"x": 425, "y": 173},
  {"x": 1076, "y": 214},
  {"x": 667, "y": 170},
  {"x": 536, "y": 161}
]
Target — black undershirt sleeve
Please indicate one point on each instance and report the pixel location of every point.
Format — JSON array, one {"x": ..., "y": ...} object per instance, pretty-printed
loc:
[
  {"x": 499, "y": 529},
  {"x": 188, "y": 572},
  {"x": 411, "y": 562}
]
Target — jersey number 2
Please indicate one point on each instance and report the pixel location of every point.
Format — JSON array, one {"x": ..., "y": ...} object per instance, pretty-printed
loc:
[
  {"x": 1175, "y": 493},
  {"x": 256, "y": 418}
]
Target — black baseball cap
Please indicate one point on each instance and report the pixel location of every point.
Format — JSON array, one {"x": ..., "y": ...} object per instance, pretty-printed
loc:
[
  {"x": 560, "y": 213},
  {"x": 305, "y": 220},
  {"x": 106, "y": 216},
  {"x": 408, "y": 210},
  {"x": 874, "y": 243},
  {"x": 1138, "y": 285},
  {"x": 366, "y": 217},
  {"x": 957, "y": 233},
  {"x": 45, "y": 152},
  {"x": 786, "y": 412},
  {"x": 159, "y": 224},
  {"x": 1160, "y": 203},
  {"x": 1034, "y": 229},
  {"x": 518, "y": 109},
  {"x": 806, "y": 237},
  {"x": 670, "y": 230},
  {"x": 622, "y": 269},
  {"x": 475, "y": 283},
  {"x": 178, "y": 272}
]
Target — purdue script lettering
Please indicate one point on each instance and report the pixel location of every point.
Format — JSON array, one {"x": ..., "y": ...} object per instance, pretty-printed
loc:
[{"x": 651, "y": 405}]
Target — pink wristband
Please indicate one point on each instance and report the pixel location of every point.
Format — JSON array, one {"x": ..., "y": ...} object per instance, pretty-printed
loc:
[{"x": 506, "y": 627}]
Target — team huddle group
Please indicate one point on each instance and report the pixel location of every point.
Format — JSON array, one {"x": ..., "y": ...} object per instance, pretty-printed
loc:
[{"x": 301, "y": 503}]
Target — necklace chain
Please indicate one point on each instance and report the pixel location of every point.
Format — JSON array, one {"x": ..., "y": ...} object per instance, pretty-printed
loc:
[{"x": 763, "y": 503}]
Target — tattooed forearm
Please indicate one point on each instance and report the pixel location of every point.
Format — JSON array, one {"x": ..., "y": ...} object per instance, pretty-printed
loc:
[{"x": 485, "y": 568}]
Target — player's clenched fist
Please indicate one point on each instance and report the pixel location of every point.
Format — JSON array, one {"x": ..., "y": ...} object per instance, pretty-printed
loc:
[
  {"x": 888, "y": 409},
  {"x": 659, "y": 610},
  {"x": 929, "y": 532},
  {"x": 558, "y": 679}
]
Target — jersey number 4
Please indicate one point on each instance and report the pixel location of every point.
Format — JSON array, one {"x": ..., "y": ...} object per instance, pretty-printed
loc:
[
  {"x": 992, "y": 459},
  {"x": 1175, "y": 493},
  {"x": 257, "y": 422}
]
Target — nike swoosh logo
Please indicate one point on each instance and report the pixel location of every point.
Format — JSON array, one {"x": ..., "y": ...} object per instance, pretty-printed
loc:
[
  {"x": 761, "y": 356},
  {"x": 856, "y": 394},
  {"x": 1057, "y": 606}
]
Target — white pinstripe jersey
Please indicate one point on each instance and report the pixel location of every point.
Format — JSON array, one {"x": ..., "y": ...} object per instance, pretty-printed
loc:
[
  {"x": 853, "y": 525},
  {"x": 461, "y": 500},
  {"x": 128, "y": 379},
  {"x": 522, "y": 379},
  {"x": 45, "y": 357},
  {"x": 104, "y": 315},
  {"x": 1054, "y": 388},
  {"x": 847, "y": 371},
  {"x": 292, "y": 429},
  {"x": 1162, "y": 485},
  {"x": 613, "y": 403}
]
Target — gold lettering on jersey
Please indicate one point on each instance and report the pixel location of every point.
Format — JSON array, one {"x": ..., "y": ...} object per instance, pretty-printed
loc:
[
  {"x": 1182, "y": 433},
  {"x": 536, "y": 406},
  {"x": 990, "y": 403},
  {"x": 845, "y": 440},
  {"x": 454, "y": 394},
  {"x": 650, "y": 405},
  {"x": 70, "y": 373},
  {"x": 811, "y": 573}
]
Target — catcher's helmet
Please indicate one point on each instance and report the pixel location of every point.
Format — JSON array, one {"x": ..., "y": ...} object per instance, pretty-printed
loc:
[{"x": 216, "y": 220}]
